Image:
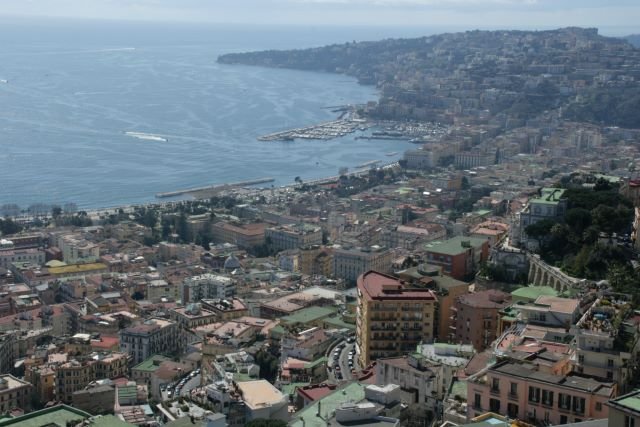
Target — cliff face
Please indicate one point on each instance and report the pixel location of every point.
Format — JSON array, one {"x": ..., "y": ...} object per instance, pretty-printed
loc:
[{"x": 516, "y": 73}]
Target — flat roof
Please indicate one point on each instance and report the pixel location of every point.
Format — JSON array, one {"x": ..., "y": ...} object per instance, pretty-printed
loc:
[
  {"x": 260, "y": 393},
  {"x": 353, "y": 392},
  {"x": 55, "y": 416},
  {"x": 555, "y": 304},
  {"x": 549, "y": 196},
  {"x": 151, "y": 364},
  {"x": 380, "y": 286},
  {"x": 533, "y": 292},
  {"x": 454, "y": 246},
  {"x": 77, "y": 268},
  {"x": 529, "y": 370},
  {"x": 629, "y": 402},
  {"x": 309, "y": 314}
]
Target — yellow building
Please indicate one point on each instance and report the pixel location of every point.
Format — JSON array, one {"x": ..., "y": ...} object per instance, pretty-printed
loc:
[
  {"x": 316, "y": 260},
  {"x": 391, "y": 318}
]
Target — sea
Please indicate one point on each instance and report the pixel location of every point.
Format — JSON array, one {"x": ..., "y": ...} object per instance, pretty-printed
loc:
[{"x": 107, "y": 113}]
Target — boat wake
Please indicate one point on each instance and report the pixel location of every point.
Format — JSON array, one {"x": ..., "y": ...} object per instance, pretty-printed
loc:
[{"x": 147, "y": 136}]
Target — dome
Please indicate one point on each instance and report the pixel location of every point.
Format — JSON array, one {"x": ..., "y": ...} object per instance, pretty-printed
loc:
[{"x": 231, "y": 263}]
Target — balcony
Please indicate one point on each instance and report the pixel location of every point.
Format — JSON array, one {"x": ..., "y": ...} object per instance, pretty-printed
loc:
[{"x": 494, "y": 390}]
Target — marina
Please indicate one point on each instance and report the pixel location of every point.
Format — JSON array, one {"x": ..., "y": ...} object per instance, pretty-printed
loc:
[{"x": 323, "y": 131}]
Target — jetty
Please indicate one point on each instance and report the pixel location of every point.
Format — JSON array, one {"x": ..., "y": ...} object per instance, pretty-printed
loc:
[{"x": 213, "y": 188}]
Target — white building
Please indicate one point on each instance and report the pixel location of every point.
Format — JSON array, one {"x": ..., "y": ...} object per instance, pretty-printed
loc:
[{"x": 209, "y": 286}]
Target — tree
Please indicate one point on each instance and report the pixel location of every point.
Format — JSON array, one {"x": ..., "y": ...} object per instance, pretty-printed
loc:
[
  {"x": 150, "y": 218},
  {"x": 268, "y": 364},
  {"x": 539, "y": 230},
  {"x": 56, "y": 211},
  {"x": 182, "y": 227},
  {"x": 578, "y": 219},
  {"x": 604, "y": 217},
  {"x": 465, "y": 183},
  {"x": 9, "y": 226}
]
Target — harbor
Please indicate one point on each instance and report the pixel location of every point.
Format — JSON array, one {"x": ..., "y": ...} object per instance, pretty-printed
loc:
[{"x": 322, "y": 131}]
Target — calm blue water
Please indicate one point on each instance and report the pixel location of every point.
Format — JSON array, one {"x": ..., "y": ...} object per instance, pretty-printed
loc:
[{"x": 74, "y": 89}]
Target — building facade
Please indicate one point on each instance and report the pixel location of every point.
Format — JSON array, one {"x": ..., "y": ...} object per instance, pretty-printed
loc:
[
  {"x": 476, "y": 317},
  {"x": 286, "y": 237},
  {"x": 348, "y": 264},
  {"x": 155, "y": 336},
  {"x": 459, "y": 257},
  {"x": 14, "y": 393},
  {"x": 391, "y": 318},
  {"x": 196, "y": 288}
]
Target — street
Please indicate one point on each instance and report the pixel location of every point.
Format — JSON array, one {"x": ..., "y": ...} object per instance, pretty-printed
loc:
[{"x": 344, "y": 373}]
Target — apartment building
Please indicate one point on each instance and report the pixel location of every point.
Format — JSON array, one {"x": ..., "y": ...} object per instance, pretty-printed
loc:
[
  {"x": 606, "y": 343},
  {"x": 226, "y": 309},
  {"x": 551, "y": 311},
  {"x": 410, "y": 237},
  {"x": 243, "y": 235},
  {"x": 192, "y": 316},
  {"x": 293, "y": 236},
  {"x": 421, "y": 159},
  {"x": 196, "y": 288},
  {"x": 10, "y": 254},
  {"x": 420, "y": 381},
  {"x": 624, "y": 411},
  {"x": 391, "y": 318},
  {"x": 315, "y": 260},
  {"x": 7, "y": 355},
  {"x": 348, "y": 264},
  {"x": 475, "y": 317},
  {"x": 538, "y": 394},
  {"x": 14, "y": 393},
  {"x": 459, "y": 257},
  {"x": 75, "y": 375},
  {"x": 155, "y": 336}
]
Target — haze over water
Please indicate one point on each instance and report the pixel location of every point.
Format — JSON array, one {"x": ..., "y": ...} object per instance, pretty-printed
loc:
[{"x": 73, "y": 89}]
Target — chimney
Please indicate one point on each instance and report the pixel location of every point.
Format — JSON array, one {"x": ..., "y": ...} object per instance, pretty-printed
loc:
[{"x": 319, "y": 414}]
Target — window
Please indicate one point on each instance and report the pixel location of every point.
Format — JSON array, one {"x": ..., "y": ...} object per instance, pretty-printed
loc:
[
  {"x": 564, "y": 401},
  {"x": 578, "y": 405},
  {"x": 495, "y": 384},
  {"x": 581, "y": 358},
  {"x": 629, "y": 421},
  {"x": 563, "y": 419},
  {"x": 494, "y": 405},
  {"x": 514, "y": 389},
  {"x": 610, "y": 363},
  {"x": 534, "y": 394},
  {"x": 609, "y": 375},
  {"x": 598, "y": 406},
  {"x": 512, "y": 410},
  {"x": 477, "y": 402},
  {"x": 547, "y": 397}
]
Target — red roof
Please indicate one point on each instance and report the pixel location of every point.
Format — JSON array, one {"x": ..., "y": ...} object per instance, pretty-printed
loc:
[
  {"x": 105, "y": 342},
  {"x": 379, "y": 286},
  {"x": 316, "y": 392}
]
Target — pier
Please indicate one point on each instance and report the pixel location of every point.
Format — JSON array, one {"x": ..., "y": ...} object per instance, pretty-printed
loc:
[{"x": 213, "y": 188}]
